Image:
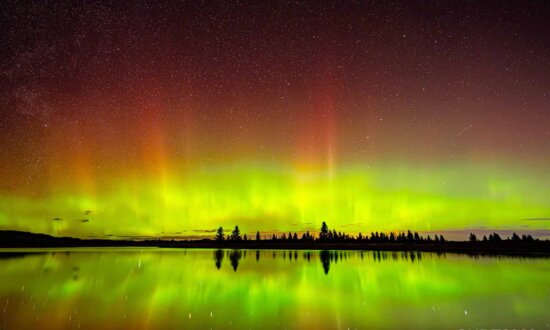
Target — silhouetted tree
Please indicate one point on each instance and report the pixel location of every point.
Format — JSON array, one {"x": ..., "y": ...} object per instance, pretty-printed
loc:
[
  {"x": 274, "y": 237},
  {"x": 258, "y": 235},
  {"x": 245, "y": 238},
  {"x": 219, "y": 234},
  {"x": 441, "y": 238},
  {"x": 295, "y": 237},
  {"x": 323, "y": 234},
  {"x": 283, "y": 237},
  {"x": 236, "y": 234},
  {"x": 473, "y": 237},
  {"x": 410, "y": 236},
  {"x": 515, "y": 237},
  {"x": 360, "y": 237}
]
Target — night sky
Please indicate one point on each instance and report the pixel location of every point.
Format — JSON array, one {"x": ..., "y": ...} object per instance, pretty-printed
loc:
[{"x": 173, "y": 119}]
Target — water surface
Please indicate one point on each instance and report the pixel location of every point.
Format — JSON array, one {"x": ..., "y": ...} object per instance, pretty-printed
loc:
[{"x": 227, "y": 289}]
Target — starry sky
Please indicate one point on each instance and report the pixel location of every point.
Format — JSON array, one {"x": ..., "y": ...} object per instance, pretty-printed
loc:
[{"x": 169, "y": 120}]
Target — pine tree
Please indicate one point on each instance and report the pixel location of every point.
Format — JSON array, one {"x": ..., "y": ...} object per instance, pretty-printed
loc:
[
  {"x": 236, "y": 234},
  {"x": 219, "y": 234},
  {"x": 324, "y": 231}
]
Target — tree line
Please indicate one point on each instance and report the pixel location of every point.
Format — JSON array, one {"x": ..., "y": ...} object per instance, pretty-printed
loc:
[
  {"x": 495, "y": 237},
  {"x": 327, "y": 235}
]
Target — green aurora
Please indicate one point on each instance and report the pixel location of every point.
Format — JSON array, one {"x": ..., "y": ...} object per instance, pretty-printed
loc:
[{"x": 268, "y": 198}]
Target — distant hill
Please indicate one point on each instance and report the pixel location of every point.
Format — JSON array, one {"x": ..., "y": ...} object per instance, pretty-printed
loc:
[{"x": 14, "y": 238}]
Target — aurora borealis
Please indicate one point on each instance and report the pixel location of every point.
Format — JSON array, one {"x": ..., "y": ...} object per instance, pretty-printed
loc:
[{"x": 169, "y": 120}]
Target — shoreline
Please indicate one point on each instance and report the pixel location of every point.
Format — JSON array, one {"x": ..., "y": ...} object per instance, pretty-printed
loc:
[{"x": 23, "y": 240}]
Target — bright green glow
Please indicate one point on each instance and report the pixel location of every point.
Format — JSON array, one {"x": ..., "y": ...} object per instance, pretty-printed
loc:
[
  {"x": 275, "y": 198},
  {"x": 183, "y": 289}
]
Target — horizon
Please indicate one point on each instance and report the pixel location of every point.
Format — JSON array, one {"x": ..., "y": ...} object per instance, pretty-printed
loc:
[{"x": 458, "y": 235}]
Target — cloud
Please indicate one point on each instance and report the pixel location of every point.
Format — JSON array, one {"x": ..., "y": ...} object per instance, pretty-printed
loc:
[
  {"x": 140, "y": 237},
  {"x": 537, "y": 219},
  {"x": 204, "y": 230},
  {"x": 352, "y": 224}
]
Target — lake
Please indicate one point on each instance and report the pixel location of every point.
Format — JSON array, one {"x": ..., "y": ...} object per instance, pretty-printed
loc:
[{"x": 247, "y": 289}]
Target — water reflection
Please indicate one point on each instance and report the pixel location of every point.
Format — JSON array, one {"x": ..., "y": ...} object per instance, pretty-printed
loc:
[
  {"x": 218, "y": 257},
  {"x": 163, "y": 288},
  {"x": 326, "y": 257},
  {"x": 325, "y": 260},
  {"x": 235, "y": 256}
]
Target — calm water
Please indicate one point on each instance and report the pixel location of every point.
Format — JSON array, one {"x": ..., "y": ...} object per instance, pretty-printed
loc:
[{"x": 225, "y": 289}]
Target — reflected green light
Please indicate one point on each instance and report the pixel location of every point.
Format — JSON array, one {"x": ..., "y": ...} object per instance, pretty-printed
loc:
[{"x": 184, "y": 289}]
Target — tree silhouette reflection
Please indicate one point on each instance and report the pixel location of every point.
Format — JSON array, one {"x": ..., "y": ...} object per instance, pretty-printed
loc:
[
  {"x": 325, "y": 257},
  {"x": 235, "y": 256},
  {"x": 218, "y": 257}
]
